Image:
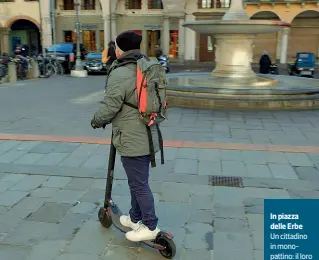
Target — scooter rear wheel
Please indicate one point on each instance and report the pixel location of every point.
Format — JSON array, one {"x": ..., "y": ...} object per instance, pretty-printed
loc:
[
  {"x": 170, "y": 247},
  {"x": 105, "y": 218}
]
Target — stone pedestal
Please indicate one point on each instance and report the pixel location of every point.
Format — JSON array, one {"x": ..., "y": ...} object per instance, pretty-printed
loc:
[
  {"x": 12, "y": 72},
  {"x": 234, "y": 55},
  {"x": 34, "y": 71},
  {"x": 79, "y": 73}
]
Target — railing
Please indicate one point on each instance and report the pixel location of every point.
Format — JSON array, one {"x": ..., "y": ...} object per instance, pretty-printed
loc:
[
  {"x": 133, "y": 4},
  {"x": 155, "y": 4}
]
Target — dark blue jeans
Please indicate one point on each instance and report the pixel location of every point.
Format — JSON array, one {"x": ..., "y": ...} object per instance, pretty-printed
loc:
[{"x": 142, "y": 200}]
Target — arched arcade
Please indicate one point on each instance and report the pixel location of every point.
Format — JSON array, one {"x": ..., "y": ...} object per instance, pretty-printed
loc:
[
  {"x": 304, "y": 34},
  {"x": 266, "y": 42},
  {"x": 24, "y": 31}
]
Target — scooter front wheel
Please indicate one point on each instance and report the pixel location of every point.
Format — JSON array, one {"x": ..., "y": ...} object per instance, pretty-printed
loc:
[
  {"x": 105, "y": 218},
  {"x": 170, "y": 248}
]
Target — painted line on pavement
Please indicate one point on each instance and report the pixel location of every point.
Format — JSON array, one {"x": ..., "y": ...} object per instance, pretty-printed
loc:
[{"x": 167, "y": 143}]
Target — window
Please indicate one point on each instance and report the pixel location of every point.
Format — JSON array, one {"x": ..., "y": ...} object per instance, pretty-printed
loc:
[
  {"x": 89, "y": 40},
  {"x": 202, "y": 4},
  {"x": 155, "y": 4},
  {"x": 222, "y": 3},
  {"x": 88, "y": 5},
  {"x": 68, "y": 5},
  {"x": 205, "y": 4},
  {"x": 7, "y": 1},
  {"x": 133, "y": 4}
]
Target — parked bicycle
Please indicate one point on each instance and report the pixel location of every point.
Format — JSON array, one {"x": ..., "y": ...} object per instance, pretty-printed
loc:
[
  {"x": 22, "y": 66},
  {"x": 49, "y": 66}
]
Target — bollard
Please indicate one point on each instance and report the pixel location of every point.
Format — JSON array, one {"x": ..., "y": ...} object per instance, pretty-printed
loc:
[
  {"x": 12, "y": 72},
  {"x": 34, "y": 71}
]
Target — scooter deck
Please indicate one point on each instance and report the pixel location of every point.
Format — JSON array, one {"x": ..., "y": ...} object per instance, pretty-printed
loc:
[{"x": 115, "y": 215}]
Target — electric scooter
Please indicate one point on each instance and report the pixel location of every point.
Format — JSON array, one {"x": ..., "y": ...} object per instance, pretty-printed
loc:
[{"x": 110, "y": 214}]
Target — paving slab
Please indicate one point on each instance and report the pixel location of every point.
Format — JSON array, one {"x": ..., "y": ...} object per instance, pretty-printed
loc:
[
  {"x": 57, "y": 182},
  {"x": 29, "y": 183},
  {"x": 10, "y": 252},
  {"x": 48, "y": 250},
  {"x": 29, "y": 233},
  {"x": 10, "y": 198},
  {"x": 198, "y": 236},
  {"x": 52, "y": 159},
  {"x": 67, "y": 196},
  {"x": 11, "y": 156},
  {"x": 93, "y": 236},
  {"x": 50, "y": 213}
]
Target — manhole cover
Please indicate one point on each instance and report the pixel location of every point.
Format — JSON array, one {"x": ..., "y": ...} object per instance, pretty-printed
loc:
[{"x": 225, "y": 181}]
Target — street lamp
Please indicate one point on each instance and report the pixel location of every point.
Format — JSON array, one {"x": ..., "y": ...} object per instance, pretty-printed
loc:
[
  {"x": 78, "y": 62},
  {"x": 78, "y": 71}
]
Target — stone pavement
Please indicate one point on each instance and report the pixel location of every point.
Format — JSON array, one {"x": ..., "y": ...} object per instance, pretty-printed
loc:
[{"x": 50, "y": 193}]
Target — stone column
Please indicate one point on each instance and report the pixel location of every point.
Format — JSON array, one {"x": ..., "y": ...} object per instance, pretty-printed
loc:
[
  {"x": 5, "y": 45},
  {"x": 165, "y": 46},
  {"x": 113, "y": 27},
  {"x": 190, "y": 41},
  {"x": 278, "y": 47},
  {"x": 284, "y": 45},
  {"x": 106, "y": 20},
  {"x": 144, "y": 42},
  {"x": 181, "y": 39},
  {"x": 46, "y": 31}
]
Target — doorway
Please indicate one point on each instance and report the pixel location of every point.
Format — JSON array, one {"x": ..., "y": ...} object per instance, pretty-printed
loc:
[{"x": 153, "y": 39}]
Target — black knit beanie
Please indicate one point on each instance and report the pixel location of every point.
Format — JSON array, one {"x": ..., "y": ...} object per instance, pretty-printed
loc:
[{"x": 129, "y": 40}]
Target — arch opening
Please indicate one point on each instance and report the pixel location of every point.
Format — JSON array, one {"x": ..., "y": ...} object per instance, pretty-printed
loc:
[
  {"x": 265, "y": 42},
  {"x": 304, "y": 34},
  {"x": 265, "y": 15},
  {"x": 25, "y": 33}
]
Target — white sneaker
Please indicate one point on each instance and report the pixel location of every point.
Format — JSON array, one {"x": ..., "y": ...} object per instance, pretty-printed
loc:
[
  {"x": 127, "y": 222},
  {"x": 142, "y": 233}
]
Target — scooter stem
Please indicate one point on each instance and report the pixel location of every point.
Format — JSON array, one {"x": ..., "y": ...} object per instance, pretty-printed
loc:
[{"x": 110, "y": 174}]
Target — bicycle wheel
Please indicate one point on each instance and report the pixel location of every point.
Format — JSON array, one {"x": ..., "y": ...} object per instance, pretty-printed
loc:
[
  {"x": 50, "y": 70},
  {"x": 59, "y": 68}
]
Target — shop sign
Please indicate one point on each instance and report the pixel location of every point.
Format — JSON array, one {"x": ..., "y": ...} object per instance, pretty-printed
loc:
[
  {"x": 152, "y": 26},
  {"x": 87, "y": 26}
]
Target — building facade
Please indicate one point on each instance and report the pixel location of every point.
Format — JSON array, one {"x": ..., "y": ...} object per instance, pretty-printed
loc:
[
  {"x": 160, "y": 23},
  {"x": 24, "y": 22}
]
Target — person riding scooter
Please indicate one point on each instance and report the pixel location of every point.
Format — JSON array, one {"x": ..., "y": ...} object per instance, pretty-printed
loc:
[{"x": 130, "y": 136}]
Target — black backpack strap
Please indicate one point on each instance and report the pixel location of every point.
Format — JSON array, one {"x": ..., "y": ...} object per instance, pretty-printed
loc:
[
  {"x": 152, "y": 151},
  {"x": 161, "y": 144}
]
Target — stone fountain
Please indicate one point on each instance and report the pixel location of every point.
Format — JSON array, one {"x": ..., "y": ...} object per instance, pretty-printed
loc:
[{"x": 233, "y": 83}]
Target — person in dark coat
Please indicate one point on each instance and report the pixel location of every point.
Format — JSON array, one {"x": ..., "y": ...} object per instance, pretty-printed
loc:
[{"x": 264, "y": 63}]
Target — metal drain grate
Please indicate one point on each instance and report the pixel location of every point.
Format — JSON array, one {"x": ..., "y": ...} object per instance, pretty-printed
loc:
[{"x": 225, "y": 181}]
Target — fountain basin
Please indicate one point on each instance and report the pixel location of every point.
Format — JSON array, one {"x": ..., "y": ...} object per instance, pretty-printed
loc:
[
  {"x": 235, "y": 26},
  {"x": 199, "y": 90}
]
